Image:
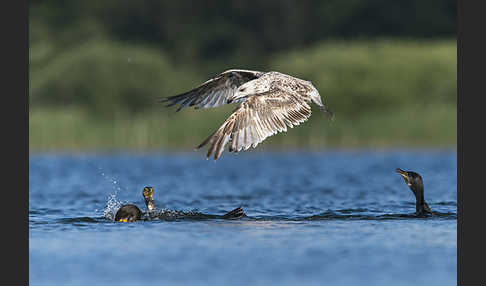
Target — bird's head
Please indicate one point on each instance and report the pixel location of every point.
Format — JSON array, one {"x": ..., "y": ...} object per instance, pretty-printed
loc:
[
  {"x": 414, "y": 182},
  {"x": 247, "y": 89}
]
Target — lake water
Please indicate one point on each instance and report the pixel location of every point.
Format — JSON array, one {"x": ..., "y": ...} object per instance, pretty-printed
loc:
[{"x": 329, "y": 218}]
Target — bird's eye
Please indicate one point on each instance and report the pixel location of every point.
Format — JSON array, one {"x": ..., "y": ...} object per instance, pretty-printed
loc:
[{"x": 243, "y": 89}]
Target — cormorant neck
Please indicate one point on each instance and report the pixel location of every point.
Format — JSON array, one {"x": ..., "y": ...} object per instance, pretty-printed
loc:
[
  {"x": 419, "y": 204},
  {"x": 150, "y": 204},
  {"x": 421, "y": 207}
]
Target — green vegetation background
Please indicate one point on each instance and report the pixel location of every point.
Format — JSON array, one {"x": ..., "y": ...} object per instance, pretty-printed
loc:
[{"x": 96, "y": 71}]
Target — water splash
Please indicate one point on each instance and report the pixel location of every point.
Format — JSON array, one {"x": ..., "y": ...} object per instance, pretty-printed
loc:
[{"x": 112, "y": 204}]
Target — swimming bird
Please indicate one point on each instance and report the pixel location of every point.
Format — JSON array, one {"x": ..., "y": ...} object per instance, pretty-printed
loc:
[
  {"x": 131, "y": 213},
  {"x": 416, "y": 184},
  {"x": 269, "y": 102}
]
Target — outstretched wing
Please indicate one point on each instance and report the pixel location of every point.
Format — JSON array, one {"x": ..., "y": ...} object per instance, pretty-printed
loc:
[
  {"x": 257, "y": 118},
  {"x": 213, "y": 92}
]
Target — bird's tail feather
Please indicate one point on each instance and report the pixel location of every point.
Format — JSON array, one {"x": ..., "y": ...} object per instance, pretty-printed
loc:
[{"x": 234, "y": 214}]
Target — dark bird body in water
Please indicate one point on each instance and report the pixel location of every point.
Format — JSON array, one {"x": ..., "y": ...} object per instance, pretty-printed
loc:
[
  {"x": 416, "y": 184},
  {"x": 131, "y": 213},
  {"x": 269, "y": 103}
]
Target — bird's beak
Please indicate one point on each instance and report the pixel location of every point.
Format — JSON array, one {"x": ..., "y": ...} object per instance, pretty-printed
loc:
[
  {"x": 404, "y": 174},
  {"x": 234, "y": 99},
  {"x": 231, "y": 99}
]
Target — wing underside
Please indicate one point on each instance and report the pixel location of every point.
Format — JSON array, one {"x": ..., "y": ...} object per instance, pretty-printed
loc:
[
  {"x": 214, "y": 92},
  {"x": 260, "y": 116}
]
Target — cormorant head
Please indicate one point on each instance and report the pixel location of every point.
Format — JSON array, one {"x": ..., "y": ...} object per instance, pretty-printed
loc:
[
  {"x": 148, "y": 195},
  {"x": 413, "y": 180}
]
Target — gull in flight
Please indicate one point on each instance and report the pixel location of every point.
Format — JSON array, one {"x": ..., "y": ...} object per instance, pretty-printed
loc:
[{"x": 269, "y": 102}]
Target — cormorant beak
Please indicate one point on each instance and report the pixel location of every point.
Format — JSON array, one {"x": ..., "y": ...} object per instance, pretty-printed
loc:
[{"x": 404, "y": 175}]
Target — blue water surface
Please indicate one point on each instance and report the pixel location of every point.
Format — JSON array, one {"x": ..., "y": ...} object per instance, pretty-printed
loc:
[{"x": 314, "y": 218}]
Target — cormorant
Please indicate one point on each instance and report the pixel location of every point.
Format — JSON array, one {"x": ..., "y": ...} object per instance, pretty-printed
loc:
[
  {"x": 416, "y": 184},
  {"x": 131, "y": 213}
]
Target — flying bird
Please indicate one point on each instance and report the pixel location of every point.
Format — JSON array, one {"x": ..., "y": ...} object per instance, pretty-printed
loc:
[{"x": 269, "y": 102}]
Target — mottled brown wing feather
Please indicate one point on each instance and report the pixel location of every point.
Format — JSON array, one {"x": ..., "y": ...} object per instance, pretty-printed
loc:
[
  {"x": 214, "y": 92},
  {"x": 260, "y": 116}
]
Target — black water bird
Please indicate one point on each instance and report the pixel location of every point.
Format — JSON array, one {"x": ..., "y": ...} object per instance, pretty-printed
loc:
[
  {"x": 131, "y": 213},
  {"x": 416, "y": 184}
]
